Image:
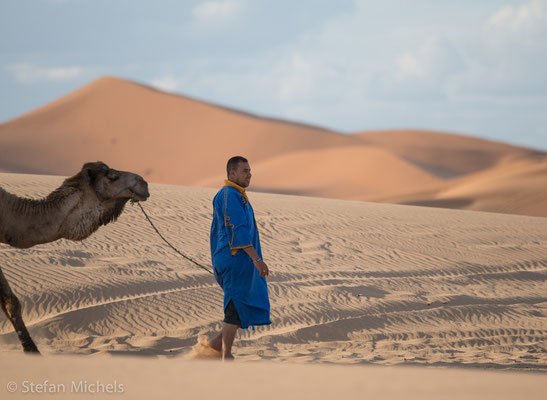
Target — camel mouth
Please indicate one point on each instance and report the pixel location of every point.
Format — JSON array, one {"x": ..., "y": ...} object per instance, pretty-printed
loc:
[{"x": 140, "y": 196}]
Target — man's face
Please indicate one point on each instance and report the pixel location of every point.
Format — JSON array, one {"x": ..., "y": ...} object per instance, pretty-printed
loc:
[{"x": 241, "y": 175}]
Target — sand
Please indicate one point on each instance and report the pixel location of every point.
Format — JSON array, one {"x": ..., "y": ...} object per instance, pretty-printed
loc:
[
  {"x": 445, "y": 154},
  {"x": 145, "y": 378},
  {"x": 164, "y": 137},
  {"x": 351, "y": 172},
  {"x": 383, "y": 291},
  {"x": 512, "y": 187},
  {"x": 178, "y": 140}
]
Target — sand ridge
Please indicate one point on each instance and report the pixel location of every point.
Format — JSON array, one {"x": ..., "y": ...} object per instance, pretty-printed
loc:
[
  {"x": 445, "y": 154},
  {"x": 175, "y": 139},
  {"x": 349, "y": 172},
  {"x": 351, "y": 283},
  {"x": 115, "y": 120},
  {"x": 512, "y": 187}
]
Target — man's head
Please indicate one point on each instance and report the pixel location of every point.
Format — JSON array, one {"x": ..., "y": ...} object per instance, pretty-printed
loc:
[{"x": 239, "y": 171}]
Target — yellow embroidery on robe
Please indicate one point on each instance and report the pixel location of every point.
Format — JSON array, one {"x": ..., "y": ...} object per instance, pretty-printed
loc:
[
  {"x": 239, "y": 189},
  {"x": 227, "y": 219}
]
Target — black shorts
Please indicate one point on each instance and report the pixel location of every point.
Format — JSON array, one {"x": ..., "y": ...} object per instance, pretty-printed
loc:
[{"x": 230, "y": 314}]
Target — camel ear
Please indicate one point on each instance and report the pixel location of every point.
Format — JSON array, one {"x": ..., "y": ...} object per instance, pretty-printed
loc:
[{"x": 94, "y": 170}]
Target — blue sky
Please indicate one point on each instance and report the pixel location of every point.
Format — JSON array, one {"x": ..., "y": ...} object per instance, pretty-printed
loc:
[{"x": 475, "y": 67}]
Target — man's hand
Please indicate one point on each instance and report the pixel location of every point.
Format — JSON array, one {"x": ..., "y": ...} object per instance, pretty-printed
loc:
[
  {"x": 262, "y": 268},
  {"x": 259, "y": 264}
]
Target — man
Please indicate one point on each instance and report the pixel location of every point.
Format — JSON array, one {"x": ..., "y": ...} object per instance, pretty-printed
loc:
[{"x": 237, "y": 258}]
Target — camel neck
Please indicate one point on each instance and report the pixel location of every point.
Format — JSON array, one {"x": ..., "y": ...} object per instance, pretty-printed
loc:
[{"x": 26, "y": 222}]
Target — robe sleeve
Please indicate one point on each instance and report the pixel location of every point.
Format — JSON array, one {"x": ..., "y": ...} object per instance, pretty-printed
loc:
[{"x": 236, "y": 221}]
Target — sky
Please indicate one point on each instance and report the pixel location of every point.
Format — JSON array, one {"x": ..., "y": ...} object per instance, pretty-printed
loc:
[{"x": 476, "y": 67}]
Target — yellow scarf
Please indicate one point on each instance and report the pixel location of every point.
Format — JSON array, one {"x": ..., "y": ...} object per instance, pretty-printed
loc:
[{"x": 239, "y": 188}]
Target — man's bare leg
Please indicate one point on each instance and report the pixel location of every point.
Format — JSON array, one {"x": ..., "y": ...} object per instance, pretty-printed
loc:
[
  {"x": 216, "y": 342},
  {"x": 228, "y": 336},
  {"x": 225, "y": 339}
]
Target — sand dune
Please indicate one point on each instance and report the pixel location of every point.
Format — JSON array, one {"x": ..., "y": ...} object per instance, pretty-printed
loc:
[
  {"x": 166, "y": 138},
  {"x": 351, "y": 283},
  {"x": 446, "y": 155},
  {"x": 178, "y": 140},
  {"x": 352, "y": 172},
  {"x": 513, "y": 187}
]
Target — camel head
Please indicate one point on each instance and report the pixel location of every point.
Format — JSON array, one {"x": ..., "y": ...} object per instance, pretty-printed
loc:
[
  {"x": 110, "y": 184},
  {"x": 104, "y": 193}
]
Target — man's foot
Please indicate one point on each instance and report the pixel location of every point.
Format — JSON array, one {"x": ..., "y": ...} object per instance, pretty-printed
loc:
[
  {"x": 203, "y": 350},
  {"x": 227, "y": 357}
]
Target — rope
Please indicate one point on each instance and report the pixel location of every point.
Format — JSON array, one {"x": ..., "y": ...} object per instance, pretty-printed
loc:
[{"x": 170, "y": 245}]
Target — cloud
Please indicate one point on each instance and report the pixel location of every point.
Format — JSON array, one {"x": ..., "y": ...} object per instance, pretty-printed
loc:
[
  {"x": 523, "y": 27},
  {"x": 299, "y": 76},
  {"x": 167, "y": 83},
  {"x": 425, "y": 72},
  {"x": 528, "y": 19},
  {"x": 435, "y": 58},
  {"x": 509, "y": 59},
  {"x": 28, "y": 74},
  {"x": 216, "y": 11}
]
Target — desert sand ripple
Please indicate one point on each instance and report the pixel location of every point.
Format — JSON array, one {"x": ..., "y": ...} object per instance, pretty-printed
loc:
[{"x": 351, "y": 282}]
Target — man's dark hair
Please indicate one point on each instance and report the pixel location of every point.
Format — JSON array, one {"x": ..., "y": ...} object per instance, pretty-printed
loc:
[{"x": 233, "y": 163}]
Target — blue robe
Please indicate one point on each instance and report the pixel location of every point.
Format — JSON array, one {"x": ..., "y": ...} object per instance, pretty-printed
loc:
[{"x": 234, "y": 228}]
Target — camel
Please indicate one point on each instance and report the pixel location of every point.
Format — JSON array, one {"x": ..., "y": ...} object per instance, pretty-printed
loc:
[{"x": 94, "y": 197}]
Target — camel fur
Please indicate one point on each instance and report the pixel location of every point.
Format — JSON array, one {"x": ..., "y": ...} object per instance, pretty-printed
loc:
[{"x": 90, "y": 199}]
